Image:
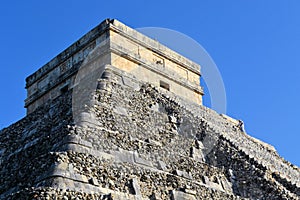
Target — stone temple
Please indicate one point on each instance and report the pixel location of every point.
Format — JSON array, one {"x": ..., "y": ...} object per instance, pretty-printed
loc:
[{"x": 117, "y": 115}]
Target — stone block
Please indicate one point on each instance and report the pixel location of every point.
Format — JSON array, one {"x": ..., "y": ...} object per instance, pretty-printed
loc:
[
  {"x": 153, "y": 142},
  {"x": 123, "y": 156},
  {"x": 141, "y": 161},
  {"x": 227, "y": 186},
  {"x": 62, "y": 166},
  {"x": 84, "y": 179},
  {"x": 162, "y": 165},
  {"x": 189, "y": 191},
  {"x": 206, "y": 180},
  {"x": 197, "y": 154},
  {"x": 128, "y": 82},
  {"x": 178, "y": 195},
  {"x": 136, "y": 187},
  {"x": 215, "y": 186},
  {"x": 121, "y": 111},
  {"x": 94, "y": 181},
  {"x": 183, "y": 174},
  {"x": 103, "y": 155},
  {"x": 58, "y": 172}
]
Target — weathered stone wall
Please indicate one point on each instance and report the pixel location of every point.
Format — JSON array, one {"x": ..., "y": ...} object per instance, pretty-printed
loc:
[
  {"x": 47, "y": 157},
  {"x": 26, "y": 146},
  {"x": 262, "y": 153},
  {"x": 136, "y": 141}
]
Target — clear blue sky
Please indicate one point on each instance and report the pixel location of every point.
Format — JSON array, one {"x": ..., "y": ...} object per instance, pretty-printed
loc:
[{"x": 255, "y": 44}]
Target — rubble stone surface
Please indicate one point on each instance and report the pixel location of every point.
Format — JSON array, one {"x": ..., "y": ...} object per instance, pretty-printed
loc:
[
  {"x": 135, "y": 140},
  {"x": 137, "y": 155}
]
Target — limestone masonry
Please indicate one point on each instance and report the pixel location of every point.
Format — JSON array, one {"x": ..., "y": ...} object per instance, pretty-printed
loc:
[
  {"x": 119, "y": 116},
  {"x": 125, "y": 49}
]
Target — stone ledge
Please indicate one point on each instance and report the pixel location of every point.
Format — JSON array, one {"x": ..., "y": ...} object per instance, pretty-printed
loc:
[
  {"x": 154, "y": 45},
  {"x": 63, "y": 56},
  {"x": 66, "y": 183}
]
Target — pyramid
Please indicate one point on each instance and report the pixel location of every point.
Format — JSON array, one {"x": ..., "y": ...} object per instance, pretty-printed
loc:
[{"x": 117, "y": 115}]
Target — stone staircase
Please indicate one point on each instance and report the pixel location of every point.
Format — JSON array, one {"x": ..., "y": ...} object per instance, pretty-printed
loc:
[{"x": 259, "y": 151}]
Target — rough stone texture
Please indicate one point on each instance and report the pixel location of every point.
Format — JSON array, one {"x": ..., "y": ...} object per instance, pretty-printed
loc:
[
  {"x": 134, "y": 140},
  {"x": 135, "y": 151}
]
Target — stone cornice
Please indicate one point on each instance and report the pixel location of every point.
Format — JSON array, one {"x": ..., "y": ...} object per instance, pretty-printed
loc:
[
  {"x": 154, "y": 46},
  {"x": 67, "y": 53},
  {"x": 123, "y": 30}
]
